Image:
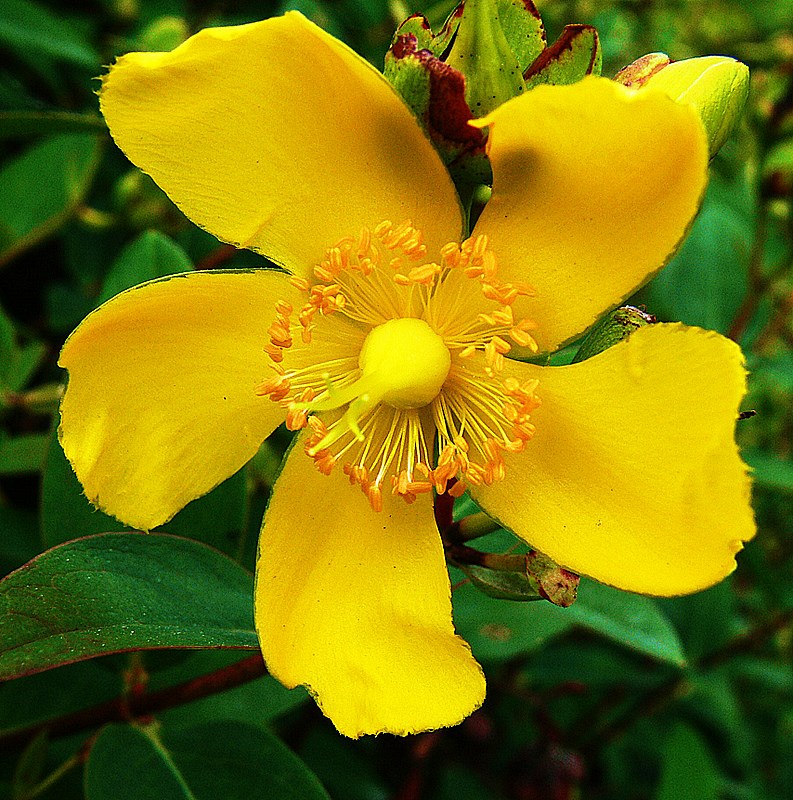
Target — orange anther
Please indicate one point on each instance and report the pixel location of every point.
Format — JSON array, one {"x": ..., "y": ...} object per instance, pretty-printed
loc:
[{"x": 299, "y": 283}]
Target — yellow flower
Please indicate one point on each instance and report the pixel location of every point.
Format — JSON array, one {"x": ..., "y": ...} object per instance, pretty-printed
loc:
[{"x": 386, "y": 338}]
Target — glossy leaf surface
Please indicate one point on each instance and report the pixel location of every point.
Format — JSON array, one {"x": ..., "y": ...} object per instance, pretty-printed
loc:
[{"x": 115, "y": 592}]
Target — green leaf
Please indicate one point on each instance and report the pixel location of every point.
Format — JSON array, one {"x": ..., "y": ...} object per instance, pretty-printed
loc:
[
  {"x": 152, "y": 255},
  {"x": 66, "y": 513},
  {"x": 687, "y": 768},
  {"x": 32, "y": 29},
  {"x": 705, "y": 621},
  {"x": 26, "y": 124},
  {"x": 706, "y": 282},
  {"x": 459, "y": 782},
  {"x": 40, "y": 190},
  {"x": 596, "y": 664},
  {"x": 770, "y": 471},
  {"x": 342, "y": 766},
  {"x": 17, "y": 362},
  {"x": 713, "y": 704},
  {"x": 8, "y": 346},
  {"x": 66, "y": 307},
  {"x": 575, "y": 54},
  {"x": 631, "y": 620},
  {"x": 23, "y": 364},
  {"x": 19, "y": 540},
  {"x": 25, "y": 453},
  {"x": 498, "y": 630},
  {"x": 115, "y": 592},
  {"x": 217, "y": 518},
  {"x": 254, "y": 702},
  {"x": 45, "y": 696},
  {"x": 225, "y": 760}
]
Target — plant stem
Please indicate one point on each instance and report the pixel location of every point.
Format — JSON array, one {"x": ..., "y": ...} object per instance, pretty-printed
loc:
[
  {"x": 471, "y": 527},
  {"x": 55, "y": 776},
  {"x": 126, "y": 708},
  {"x": 661, "y": 696},
  {"x": 757, "y": 281}
]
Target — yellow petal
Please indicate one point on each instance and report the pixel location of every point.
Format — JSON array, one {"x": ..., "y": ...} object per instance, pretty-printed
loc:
[
  {"x": 595, "y": 186},
  {"x": 633, "y": 476},
  {"x": 356, "y": 605},
  {"x": 277, "y": 137},
  {"x": 161, "y": 404}
]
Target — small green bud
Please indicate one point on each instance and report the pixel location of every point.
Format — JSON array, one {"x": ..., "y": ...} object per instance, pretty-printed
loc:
[
  {"x": 717, "y": 86},
  {"x": 125, "y": 10},
  {"x": 164, "y": 34},
  {"x": 140, "y": 201},
  {"x": 611, "y": 330}
]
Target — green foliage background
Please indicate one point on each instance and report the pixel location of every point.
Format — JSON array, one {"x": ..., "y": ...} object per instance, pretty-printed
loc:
[{"x": 619, "y": 697}]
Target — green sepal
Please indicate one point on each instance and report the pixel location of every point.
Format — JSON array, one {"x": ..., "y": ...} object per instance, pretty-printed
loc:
[
  {"x": 612, "y": 329},
  {"x": 502, "y": 585},
  {"x": 638, "y": 72},
  {"x": 574, "y": 55},
  {"x": 530, "y": 576},
  {"x": 483, "y": 55},
  {"x": 407, "y": 70},
  {"x": 471, "y": 66},
  {"x": 435, "y": 92},
  {"x": 523, "y": 29},
  {"x": 416, "y": 25}
]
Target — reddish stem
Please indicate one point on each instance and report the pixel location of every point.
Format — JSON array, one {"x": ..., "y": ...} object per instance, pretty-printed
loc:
[
  {"x": 218, "y": 257},
  {"x": 125, "y": 708}
]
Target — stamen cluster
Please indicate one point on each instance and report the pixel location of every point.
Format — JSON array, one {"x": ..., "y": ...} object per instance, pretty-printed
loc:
[{"x": 477, "y": 417}]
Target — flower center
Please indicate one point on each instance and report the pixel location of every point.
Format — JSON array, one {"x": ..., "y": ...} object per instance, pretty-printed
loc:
[
  {"x": 405, "y": 362},
  {"x": 394, "y": 359}
]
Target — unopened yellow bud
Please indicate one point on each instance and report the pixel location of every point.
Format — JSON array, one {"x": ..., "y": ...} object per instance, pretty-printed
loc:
[{"x": 717, "y": 86}]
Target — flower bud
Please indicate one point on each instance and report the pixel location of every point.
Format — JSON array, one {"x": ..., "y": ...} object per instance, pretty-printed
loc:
[
  {"x": 532, "y": 576},
  {"x": 140, "y": 201},
  {"x": 475, "y": 63},
  {"x": 164, "y": 34},
  {"x": 717, "y": 86}
]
